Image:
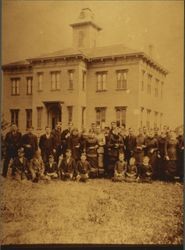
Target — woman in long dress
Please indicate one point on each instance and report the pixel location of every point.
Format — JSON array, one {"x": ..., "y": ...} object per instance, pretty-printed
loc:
[{"x": 171, "y": 156}]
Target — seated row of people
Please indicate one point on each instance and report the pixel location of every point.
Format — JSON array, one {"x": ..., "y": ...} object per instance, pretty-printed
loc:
[{"x": 68, "y": 169}]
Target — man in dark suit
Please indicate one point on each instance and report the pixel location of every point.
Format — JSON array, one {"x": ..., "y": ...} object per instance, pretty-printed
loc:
[
  {"x": 29, "y": 143},
  {"x": 130, "y": 143},
  {"x": 57, "y": 132},
  {"x": 12, "y": 144},
  {"x": 47, "y": 145}
]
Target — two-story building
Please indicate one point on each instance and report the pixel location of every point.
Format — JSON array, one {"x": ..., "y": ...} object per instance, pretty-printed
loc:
[{"x": 85, "y": 84}]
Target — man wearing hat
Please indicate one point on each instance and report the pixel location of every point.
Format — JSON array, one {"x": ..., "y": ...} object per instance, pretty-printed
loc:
[
  {"x": 20, "y": 166},
  {"x": 12, "y": 143}
]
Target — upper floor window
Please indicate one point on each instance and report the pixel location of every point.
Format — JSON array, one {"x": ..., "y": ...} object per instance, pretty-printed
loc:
[
  {"x": 143, "y": 80},
  {"x": 149, "y": 84},
  {"x": 122, "y": 79},
  {"x": 84, "y": 76},
  {"x": 15, "y": 116},
  {"x": 40, "y": 81},
  {"x": 15, "y": 85},
  {"x": 101, "y": 81},
  {"x": 55, "y": 80},
  {"x": 29, "y": 86},
  {"x": 156, "y": 87},
  {"x": 121, "y": 116},
  {"x": 71, "y": 79}
]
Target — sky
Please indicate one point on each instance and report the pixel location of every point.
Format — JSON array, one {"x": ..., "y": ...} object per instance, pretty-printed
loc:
[{"x": 31, "y": 28}]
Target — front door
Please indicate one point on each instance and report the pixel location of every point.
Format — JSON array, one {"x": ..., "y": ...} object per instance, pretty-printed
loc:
[{"x": 54, "y": 116}]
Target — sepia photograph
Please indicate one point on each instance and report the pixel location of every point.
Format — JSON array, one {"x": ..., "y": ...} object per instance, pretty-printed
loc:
[{"x": 92, "y": 123}]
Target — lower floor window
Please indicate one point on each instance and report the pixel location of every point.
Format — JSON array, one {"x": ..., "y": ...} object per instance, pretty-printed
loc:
[
  {"x": 15, "y": 116},
  {"x": 39, "y": 117},
  {"x": 100, "y": 116},
  {"x": 70, "y": 113},
  {"x": 121, "y": 116},
  {"x": 28, "y": 118}
]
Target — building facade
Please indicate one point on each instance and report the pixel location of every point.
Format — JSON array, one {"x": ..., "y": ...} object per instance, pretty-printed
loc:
[{"x": 85, "y": 84}]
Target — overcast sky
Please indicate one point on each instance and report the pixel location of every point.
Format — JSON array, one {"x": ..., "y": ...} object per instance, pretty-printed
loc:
[{"x": 31, "y": 28}]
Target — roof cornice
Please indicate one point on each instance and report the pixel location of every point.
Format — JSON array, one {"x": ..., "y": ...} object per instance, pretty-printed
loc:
[{"x": 138, "y": 55}]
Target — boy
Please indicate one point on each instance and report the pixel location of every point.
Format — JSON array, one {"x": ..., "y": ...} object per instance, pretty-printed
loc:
[
  {"x": 145, "y": 171},
  {"x": 37, "y": 168},
  {"x": 20, "y": 166},
  {"x": 120, "y": 168},
  {"x": 82, "y": 169},
  {"x": 51, "y": 169},
  {"x": 131, "y": 174},
  {"x": 67, "y": 166}
]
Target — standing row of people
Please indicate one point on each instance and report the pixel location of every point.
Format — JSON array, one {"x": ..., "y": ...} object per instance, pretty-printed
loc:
[{"x": 165, "y": 150}]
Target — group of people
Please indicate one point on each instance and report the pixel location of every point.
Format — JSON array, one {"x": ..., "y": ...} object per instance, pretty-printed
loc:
[{"x": 113, "y": 152}]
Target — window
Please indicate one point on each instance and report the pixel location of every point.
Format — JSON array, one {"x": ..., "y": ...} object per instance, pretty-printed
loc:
[
  {"x": 156, "y": 87},
  {"x": 142, "y": 80},
  {"x": 101, "y": 81},
  {"x": 83, "y": 116},
  {"x": 55, "y": 80},
  {"x": 161, "y": 120},
  {"x": 40, "y": 80},
  {"x": 29, "y": 85},
  {"x": 84, "y": 75},
  {"x": 15, "y": 116},
  {"x": 100, "y": 116},
  {"x": 122, "y": 79},
  {"x": 28, "y": 118},
  {"x": 149, "y": 84},
  {"x": 39, "y": 117},
  {"x": 162, "y": 84},
  {"x": 155, "y": 119},
  {"x": 71, "y": 79},
  {"x": 121, "y": 116},
  {"x": 148, "y": 118},
  {"x": 70, "y": 113},
  {"x": 141, "y": 117},
  {"x": 15, "y": 86}
]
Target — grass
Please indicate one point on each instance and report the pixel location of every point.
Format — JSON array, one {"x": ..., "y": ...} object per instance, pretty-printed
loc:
[{"x": 99, "y": 211}]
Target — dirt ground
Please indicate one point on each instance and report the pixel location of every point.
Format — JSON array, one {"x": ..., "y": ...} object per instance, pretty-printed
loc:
[{"x": 99, "y": 211}]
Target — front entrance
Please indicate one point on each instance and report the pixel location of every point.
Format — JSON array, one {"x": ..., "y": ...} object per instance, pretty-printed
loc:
[{"x": 54, "y": 113}]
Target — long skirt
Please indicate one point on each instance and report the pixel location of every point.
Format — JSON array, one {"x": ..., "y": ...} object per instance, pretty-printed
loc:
[{"x": 170, "y": 169}]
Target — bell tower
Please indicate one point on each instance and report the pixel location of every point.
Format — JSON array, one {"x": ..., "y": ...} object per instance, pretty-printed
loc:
[{"x": 85, "y": 30}]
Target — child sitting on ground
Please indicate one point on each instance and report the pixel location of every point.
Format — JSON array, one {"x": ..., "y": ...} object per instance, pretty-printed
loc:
[
  {"x": 132, "y": 174},
  {"x": 145, "y": 171},
  {"x": 120, "y": 168},
  {"x": 37, "y": 168},
  {"x": 51, "y": 169},
  {"x": 82, "y": 169},
  {"x": 20, "y": 166},
  {"x": 67, "y": 166}
]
